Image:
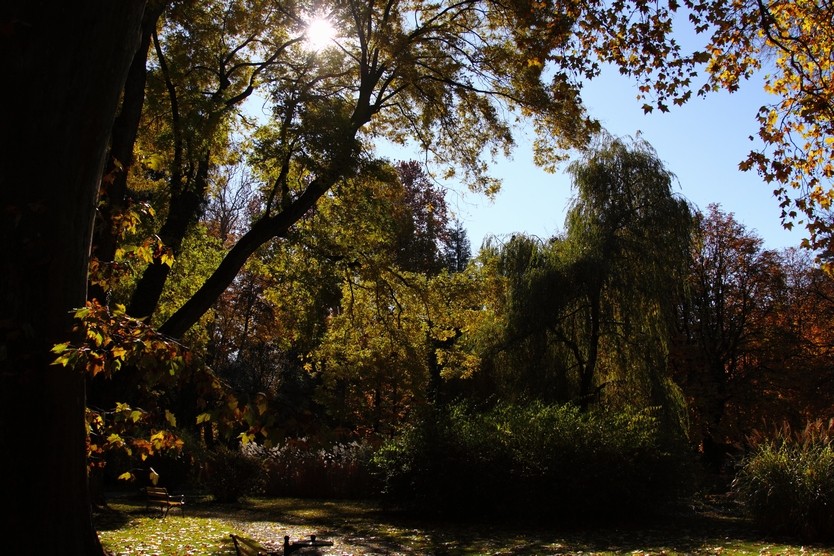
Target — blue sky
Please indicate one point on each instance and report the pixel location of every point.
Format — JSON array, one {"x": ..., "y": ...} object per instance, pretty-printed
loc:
[{"x": 701, "y": 143}]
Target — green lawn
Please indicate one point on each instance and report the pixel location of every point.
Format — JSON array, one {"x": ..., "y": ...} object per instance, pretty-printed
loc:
[{"x": 356, "y": 528}]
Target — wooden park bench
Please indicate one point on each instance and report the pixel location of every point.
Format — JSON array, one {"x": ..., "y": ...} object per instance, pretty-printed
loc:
[
  {"x": 290, "y": 547},
  {"x": 249, "y": 547},
  {"x": 159, "y": 496}
]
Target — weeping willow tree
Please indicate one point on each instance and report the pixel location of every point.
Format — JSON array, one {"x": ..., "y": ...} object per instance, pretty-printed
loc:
[
  {"x": 588, "y": 315},
  {"x": 627, "y": 239},
  {"x": 521, "y": 359}
]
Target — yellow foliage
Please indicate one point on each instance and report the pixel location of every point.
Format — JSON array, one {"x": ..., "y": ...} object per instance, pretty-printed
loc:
[
  {"x": 795, "y": 40},
  {"x": 170, "y": 418},
  {"x": 262, "y": 403}
]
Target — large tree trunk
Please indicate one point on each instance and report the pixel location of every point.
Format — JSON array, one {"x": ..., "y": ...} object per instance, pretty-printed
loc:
[
  {"x": 113, "y": 194},
  {"x": 64, "y": 67}
]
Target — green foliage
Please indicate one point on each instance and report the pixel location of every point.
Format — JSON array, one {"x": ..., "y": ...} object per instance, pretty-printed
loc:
[
  {"x": 787, "y": 482},
  {"x": 590, "y": 314},
  {"x": 408, "y": 72},
  {"x": 396, "y": 334},
  {"x": 535, "y": 291},
  {"x": 448, "y": 462},
  {"x": 230, "y": 474},
  {"x": 534, "y": 460},
  {"x": 201, "y": 253}
]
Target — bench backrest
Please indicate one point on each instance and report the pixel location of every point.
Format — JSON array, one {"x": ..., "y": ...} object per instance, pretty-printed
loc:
[
  {"x": 157, "y": 492},
  {"x": 247, "y": 547}
]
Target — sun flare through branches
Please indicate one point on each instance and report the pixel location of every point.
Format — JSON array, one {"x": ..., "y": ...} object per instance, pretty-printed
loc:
[{"x": 320, "y": 33}]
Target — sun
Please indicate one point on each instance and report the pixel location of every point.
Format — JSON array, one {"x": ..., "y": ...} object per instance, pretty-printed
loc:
[{"x": 320, "y": 32}]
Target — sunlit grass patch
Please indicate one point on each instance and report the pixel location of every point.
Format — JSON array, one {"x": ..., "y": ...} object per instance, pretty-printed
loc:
[{"x": 170, "y": 536}]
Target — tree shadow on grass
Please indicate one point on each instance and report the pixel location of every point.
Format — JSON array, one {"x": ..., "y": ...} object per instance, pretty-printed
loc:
[
  {"x": 372, "y": 530},
  {"x": 365, "y": 528}
]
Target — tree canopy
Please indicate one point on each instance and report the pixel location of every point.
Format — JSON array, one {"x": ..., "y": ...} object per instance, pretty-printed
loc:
[
  {"x": 598, "y": 303},
  {"x": 168, "y": 87},
  {"x": 454, "y": 79}
]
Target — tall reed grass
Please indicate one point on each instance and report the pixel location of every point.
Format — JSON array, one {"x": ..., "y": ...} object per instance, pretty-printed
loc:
[{"x": 787, "y": 480}]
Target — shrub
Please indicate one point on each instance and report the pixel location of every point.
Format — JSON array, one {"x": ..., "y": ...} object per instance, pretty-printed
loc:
[
  {"x": 603, "y": 463},
  {"x": 454, "y": 461},
  {"x": 231, "y": 474},
  {"x": 540, "y": 459},
  {"x": 301, "y": 468},
  {"x": 787, "y": 481}
]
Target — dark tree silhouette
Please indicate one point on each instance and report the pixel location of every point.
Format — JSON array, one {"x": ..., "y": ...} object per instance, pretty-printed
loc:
[{"x": 64, "y": 67}]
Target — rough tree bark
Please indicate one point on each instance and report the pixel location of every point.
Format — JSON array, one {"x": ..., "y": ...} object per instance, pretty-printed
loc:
[
  {"x": 64, "y": 66},
  {"x": 113, "y": 195}
]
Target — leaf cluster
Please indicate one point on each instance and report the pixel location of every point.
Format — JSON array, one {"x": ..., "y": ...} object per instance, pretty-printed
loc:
[{"x": 110, "y": 339}]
